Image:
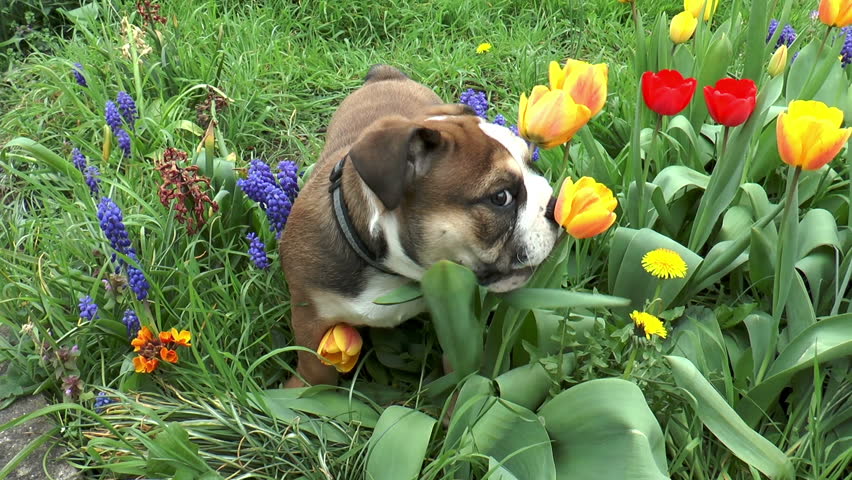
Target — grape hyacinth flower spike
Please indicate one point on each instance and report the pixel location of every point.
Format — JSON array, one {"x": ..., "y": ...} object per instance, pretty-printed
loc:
[
  {"x": 257, "y": 252},
  {"x": 78, "y": 75},
  {"x": 128, "y": 108},
  {"x": 88, "y": 308}
]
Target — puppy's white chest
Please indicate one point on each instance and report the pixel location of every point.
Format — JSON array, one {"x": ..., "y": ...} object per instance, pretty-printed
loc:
[{"x": 361, "y": 310}]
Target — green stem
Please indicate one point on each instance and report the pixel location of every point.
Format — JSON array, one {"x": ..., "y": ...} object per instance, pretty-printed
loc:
[
  {"x": 780, "y": 287},
  {"x": 725, "y": 136},
  {"x": 822, "y": 44},
  {"x": 646, "y": 169},
  {"x": 630, "y": 362}
]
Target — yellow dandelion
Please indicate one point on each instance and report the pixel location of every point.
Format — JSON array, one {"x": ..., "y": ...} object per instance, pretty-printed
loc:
[
  {"x": 664, "y": 263},
  {"x": 650, "y": 324},
  {"x": 483, "y": 47}
]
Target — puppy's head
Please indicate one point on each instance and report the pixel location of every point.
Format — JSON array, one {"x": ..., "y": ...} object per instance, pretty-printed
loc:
[{"x": 454, "y": 187}]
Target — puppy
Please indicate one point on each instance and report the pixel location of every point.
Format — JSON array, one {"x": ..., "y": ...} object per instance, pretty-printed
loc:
[{"x": 404, "y": 181}]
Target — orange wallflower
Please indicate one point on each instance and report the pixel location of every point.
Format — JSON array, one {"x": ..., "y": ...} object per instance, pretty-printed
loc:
[
  {"x": 145, "y": 365},
  {"x": 149, "y": 347},
  {"x": 170, "y": 356},
  {"x": 143, "y": 337}
]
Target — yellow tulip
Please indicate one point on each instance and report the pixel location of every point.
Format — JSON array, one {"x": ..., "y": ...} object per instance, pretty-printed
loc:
[
  {"x": 778, "y": 62},
  {"x": 695, "y": 7},
  {"x": 585, "y": 208},
  {"x": 836, "y": 13},
  {"x": 682, "y": 27},
  {"x": 586, "y": 83},
  {"x": 550, "y": 117},
  {"x": 809, "y": 134},
  {"x": 340, "y": 346}
]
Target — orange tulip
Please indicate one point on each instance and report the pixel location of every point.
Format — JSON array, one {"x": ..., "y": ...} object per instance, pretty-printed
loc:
[
  {"x": 340, "y": 346},
  {"x": 550, "y": 117},
  {"x": 586, "y": 83},
  {"x": 809, "y": 134},
  {"x": 836, "y": 13},
  {"x": 585, "y": 208}
]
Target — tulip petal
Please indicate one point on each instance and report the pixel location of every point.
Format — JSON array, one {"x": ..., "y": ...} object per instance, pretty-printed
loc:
[
  {"x": 556, "y": 75},
  {"x": 789, "y": 145},
  {"x": 563, "y": 202},
  {"x": 587, "y": 85},
  {"x": 827, "y": 145},
  {"x": 590, "y": 223}
]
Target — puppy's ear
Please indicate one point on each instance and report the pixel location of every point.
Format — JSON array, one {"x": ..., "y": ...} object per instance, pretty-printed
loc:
[
  {"x": 389, "y": 159},
  {"x": 449, "y": 109}
]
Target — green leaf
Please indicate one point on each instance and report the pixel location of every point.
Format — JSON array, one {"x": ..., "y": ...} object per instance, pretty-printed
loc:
[
  {"x": 761, "y": 258},
  {"x": 758, "y": 21},
  {"x": 603, "y": 429},
  {"x": 728, "y": 174},
  {"x": 528, "y": 385},
  {"x": 449, "y": 290},
  {"x": 826, "y": 340},
  {"x": 321, "y": 401},
  {"x": 763, "y": 337},
  {"x": 398, "y": 445},
  {"x": 629, "y": 279},
  {"x": 746, "y": 444},
  {"x": 552, "y": 298},
  {"x": 406, "y": 293},
  {"x": 43, "y": 154},
  {"x": 713, "y": 66},
  {"x": 515, "y": 437}
]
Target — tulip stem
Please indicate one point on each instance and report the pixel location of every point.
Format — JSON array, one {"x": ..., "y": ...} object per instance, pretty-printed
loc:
[
  {"x": 652, "y": 152},
  {"x": 822, "y": 44},
  {"x": 725, "y": 136}
]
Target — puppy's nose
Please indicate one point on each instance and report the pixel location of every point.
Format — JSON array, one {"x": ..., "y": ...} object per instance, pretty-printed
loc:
[{"x": 551, "y": 208}]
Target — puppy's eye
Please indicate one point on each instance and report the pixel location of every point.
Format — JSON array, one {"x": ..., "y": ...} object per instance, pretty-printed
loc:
[{"x": 503, "y": 198}]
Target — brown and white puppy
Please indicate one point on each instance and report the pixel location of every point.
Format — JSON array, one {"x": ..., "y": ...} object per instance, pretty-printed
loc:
[{"x": 424, "y": 181}]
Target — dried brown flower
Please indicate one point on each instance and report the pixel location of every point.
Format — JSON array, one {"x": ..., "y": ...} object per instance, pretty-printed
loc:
[
  {"x": 150, "y": 12},
  {"x": 183, "y": 186},
  {"x": 202, "y": 110}
]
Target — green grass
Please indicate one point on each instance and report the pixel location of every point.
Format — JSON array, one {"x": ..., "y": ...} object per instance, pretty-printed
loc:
[{"x": 286, "y": 66}]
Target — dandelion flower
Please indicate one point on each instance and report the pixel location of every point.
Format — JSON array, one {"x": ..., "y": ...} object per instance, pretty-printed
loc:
[
  {"x": 664, "y": 263},
  {"x": 649, "y": 324},
  {"x": 483, "y": 48}
]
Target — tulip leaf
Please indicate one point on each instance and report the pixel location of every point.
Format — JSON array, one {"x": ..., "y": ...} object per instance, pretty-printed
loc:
[
  {"x": 758, "y": 21},
  {"x": 629, "y": 279},
  {"x": 449, "y": 290},
  {"x": 528, "y": 385},
  {"x": 788, "y": 249},
  {"x": 515, "y": 437},
  {"x": 746, "y": 444},
  {"x": 604, "y": 429},
  {"x": 406, "y": 293},
  {"x": 398, "y": 445},
  {"x": 320, "y": 401},
  {"x": 712, "y": 67},
  {"x": 553, "y": 298},
  {"x": 826, "y": 340},
  {"x": 728, "y": 174},
  {"x": 761, "y": 258},
  {"x": 798, "y": 307},
  {"x": 763, "y": 337}
]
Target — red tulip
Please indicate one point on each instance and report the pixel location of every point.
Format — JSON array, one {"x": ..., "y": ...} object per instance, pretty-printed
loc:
[
  {"x": 667, "y": 92},
  {"x": 731, "y": 101}
]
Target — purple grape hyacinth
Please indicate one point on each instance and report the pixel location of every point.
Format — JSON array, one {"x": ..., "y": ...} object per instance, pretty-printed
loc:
[
  {"x": 475, "y": 100},
  {"x": 78, "y": 159},
  {"x": 78, "y": 75},
  {"x": 846, "y": 51},
  {"x": 128, "y": 108},
  {"x": 88, "y": 308},
  {"x": 131, "y": 321},
  {"x": 136, "y": 278},
  {"x": 123, "y": 141},
  {"x": 93, "y": 179},
  {"x": 499, "y": 120},
  {"x": 112, "y": 224},
  {"x": 275, "y": 196},
  {"x": 112, "y": 116},
  {"x": 257, "y": 252},
  {"x": 102, "y": 400},
  {"x": 786, "y": 37}
]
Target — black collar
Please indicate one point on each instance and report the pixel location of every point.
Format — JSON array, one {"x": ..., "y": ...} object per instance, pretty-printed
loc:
[{"x": 344, "y": 222}]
